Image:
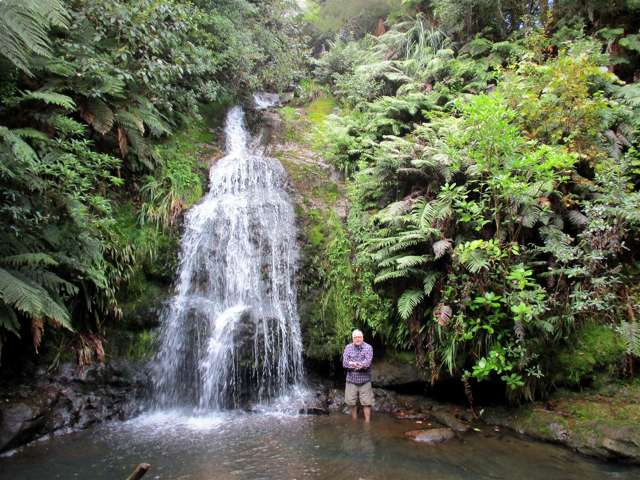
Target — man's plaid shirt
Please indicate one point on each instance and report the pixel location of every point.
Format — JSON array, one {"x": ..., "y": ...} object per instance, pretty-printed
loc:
[{"x": 362, "y": 354}]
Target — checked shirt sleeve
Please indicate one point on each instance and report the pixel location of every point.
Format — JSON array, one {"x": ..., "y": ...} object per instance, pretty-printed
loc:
[
  {"x": 345, "y": 357},
  {"x": 368, "y": 358}
]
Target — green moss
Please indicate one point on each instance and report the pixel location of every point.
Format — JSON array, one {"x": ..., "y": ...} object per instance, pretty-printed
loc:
[
  {"x": 319, "y": 109},
  {"x": 288, "y": 114},
  {"x": 595, "y": 351},
  {"x": 142, "y": 345}
]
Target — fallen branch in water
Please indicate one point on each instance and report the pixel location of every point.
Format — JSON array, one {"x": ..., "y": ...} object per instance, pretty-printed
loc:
[{"x": 139, "y": 472}]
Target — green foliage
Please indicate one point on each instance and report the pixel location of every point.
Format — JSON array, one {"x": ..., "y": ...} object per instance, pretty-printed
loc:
[
  {"x": 90, "y": 91},
  {"x": 24, "y": 26},
  {"x": 176, "y": 185},
  {"x": 347, "y": 300},
  {"x": 497, "y": 185}
]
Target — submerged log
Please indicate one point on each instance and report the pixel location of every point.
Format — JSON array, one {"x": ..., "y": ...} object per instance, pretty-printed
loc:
[{"x": 139, "y": 472}]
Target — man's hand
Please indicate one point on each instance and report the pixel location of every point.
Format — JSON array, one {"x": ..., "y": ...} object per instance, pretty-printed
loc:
[{"x": 356, "y": 365}]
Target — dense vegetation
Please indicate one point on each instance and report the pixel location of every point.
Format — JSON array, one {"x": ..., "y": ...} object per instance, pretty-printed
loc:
[
  {"x": 99, "y": 108},
  {"x": 491, "y": 151}
]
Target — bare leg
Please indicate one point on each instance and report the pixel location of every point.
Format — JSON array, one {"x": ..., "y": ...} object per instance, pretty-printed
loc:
[
  {"x": 367, "y": 414},
  {"x": 354, "y": 413}
]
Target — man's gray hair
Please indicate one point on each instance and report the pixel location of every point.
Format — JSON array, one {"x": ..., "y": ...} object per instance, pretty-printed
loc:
[{"x": 357, "y": 333}]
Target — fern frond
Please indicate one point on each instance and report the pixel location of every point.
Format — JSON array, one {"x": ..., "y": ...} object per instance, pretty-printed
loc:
[
  {"x": 408, "y": 302},
  {"x": 441, "y": 247},
  {"x": 98, "y": 114},
  {"x": 31, "y": 300},
  {"x": 20, "y": 149},
  {"x": 577, "y": 218},
  {"x": 52, "y": 282},
  {"x": 475, "y": 261},
  {"x": 429, "y": 281},
  {"x": 24, "y": 26},
  {"x": 630, "y": 333},
  {"x": 393, "y": 274},
  {"x": 410, "y": 261},
  {"x": 30, "y": 260},
  {"x": 50, "y": 98},
  {"x": 9, "y": 320}
]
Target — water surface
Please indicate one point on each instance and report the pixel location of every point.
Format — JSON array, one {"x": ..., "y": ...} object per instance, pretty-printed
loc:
[{"x": 275, "y": 446}]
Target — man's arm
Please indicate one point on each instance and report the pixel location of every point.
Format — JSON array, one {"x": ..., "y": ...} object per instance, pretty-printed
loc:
[
  {"x": 368, "y": 358},
  {"x": 346, "y": 363}
]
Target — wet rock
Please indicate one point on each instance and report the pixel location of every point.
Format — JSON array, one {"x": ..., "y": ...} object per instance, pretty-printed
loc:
[
  {"x": 335, "y": 400},
  {"x": 621, "y": 448},
  {"x": 408, "y": 415},
  {"x": 18, "y": 423},
  {"x": 313, "y": 411},
  {"x": 600, "y": 426},
  {"x": 431, "y": 435},
  {"x": 393, "y": 373},
  {"x": 449, "y": 419},
  {"x": 68, "y": 400}
]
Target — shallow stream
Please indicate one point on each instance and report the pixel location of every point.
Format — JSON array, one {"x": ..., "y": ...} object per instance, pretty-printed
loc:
[{"x": 275, "y": 446}]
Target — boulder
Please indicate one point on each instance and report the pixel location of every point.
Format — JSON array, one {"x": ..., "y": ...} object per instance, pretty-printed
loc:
[
  {"x": 431, "y": 435},
  {"x": 448, "y": 418}
]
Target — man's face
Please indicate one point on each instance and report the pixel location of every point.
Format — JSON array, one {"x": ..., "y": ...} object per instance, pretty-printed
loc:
[{"x": 358, "y": 339}]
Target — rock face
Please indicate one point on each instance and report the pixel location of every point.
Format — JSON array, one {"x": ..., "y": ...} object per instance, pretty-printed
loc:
[
  {"x": 390, "y": 373},
  {"x": 69, "y": 400}
]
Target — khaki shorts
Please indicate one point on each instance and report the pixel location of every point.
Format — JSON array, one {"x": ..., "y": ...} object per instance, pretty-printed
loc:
[{"x": 353, "y": 391}]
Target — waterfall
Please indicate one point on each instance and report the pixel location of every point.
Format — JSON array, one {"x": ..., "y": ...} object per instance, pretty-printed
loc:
[{"x": 231, "y": 333}]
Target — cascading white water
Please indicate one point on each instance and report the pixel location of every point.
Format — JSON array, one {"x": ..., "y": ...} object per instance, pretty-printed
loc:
[{"x": 231, "y": 332}]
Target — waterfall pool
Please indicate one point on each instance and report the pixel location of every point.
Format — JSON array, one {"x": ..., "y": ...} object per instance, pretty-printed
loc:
[{"x": 246, "y": 446}]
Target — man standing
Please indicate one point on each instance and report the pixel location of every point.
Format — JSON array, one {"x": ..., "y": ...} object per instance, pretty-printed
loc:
[{"x": 356, "y": 359}]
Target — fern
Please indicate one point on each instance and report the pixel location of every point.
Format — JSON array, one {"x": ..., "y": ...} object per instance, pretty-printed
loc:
[
  {"x": 24, "y": 26},
  {"x": 50, "y": 98},
  {"x": 31, "y": 300},
  {"x": 441, "y": 247},
  {"x": 408, "y": 302},
  {"x": 429, "y": 281},
  {"x": 98, "y": 114},
  {"x": 8, "y": 321},
  {"x": 630, "y": 333},
  {"x": 29, "y": 260},
  {"x": 393, "y": 274},
  {"x": 410, "y": 261},
  {"x": 21, "y": 150}
]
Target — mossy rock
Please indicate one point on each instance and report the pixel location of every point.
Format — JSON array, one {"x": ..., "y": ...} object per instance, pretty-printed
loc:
[{"x": 591, "y": 357}]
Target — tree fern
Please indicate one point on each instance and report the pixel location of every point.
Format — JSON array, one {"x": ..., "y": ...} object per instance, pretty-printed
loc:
[
  {"x": 429, "y": 281},
  {"x": 394, "y": 274},
  {"x": 408, "y": 302},
  {"x": 31, "y": 300},
  {"x": 35, "y": 259},
  {"x": 630, "y": 333},
  {"x": 50, "y": 98},
  {"x": 98, "y": 114},
  {"x": 24, "y": 26},
  {"x": 411, "y": 261}
]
